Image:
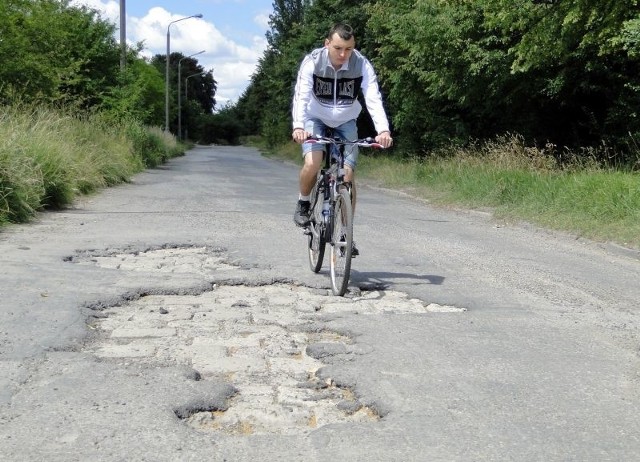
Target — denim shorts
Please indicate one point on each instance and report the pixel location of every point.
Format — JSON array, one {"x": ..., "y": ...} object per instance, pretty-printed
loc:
[{"x": 347, "y": 131}]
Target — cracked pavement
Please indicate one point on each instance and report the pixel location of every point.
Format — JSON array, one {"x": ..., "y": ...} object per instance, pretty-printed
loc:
[{"x": 175, "y": 318}]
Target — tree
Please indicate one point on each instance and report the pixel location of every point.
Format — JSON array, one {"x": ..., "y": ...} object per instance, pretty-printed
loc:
[
  {"x": 55, "y": 52},
  {"x": 139, "y": 94},
  {"x": 202, "y": 89},
  {"x": 580, "y": 58},
  {"x": 199, "y": 102},
  {"x": 565, "y": 72},
  {"x": 285, "y": 20},
  {"x": 555, "y": 72}
]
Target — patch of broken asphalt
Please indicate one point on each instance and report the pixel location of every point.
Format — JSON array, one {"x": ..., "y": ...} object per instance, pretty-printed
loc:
[{"x": 264, "y": 348}]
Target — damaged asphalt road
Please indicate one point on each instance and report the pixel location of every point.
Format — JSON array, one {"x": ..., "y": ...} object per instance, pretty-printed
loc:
[{"x": 175, "y": 318}]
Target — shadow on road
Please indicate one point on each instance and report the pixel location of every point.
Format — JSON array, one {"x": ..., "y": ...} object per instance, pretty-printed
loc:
[{"x": 382, "y": 279}]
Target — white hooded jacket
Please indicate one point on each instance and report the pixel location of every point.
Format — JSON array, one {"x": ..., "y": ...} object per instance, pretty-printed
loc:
[{"x": 331, "y": 96}]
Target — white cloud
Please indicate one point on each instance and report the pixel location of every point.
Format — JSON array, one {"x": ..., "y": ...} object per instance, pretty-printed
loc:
[
  {"x": 262, "y": 20},
  {"x": 236, "y": 76},
  {"x": 232, "y": 63},
  {"x": 109, "y": 10}
]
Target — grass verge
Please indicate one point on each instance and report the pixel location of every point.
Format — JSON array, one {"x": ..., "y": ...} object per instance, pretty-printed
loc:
[
  {"x": 515, "y": 182},
  {"x": 48, "y": 158}
]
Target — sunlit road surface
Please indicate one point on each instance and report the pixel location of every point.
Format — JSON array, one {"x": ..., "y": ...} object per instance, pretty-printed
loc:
[{"x": 176, "y": 318}]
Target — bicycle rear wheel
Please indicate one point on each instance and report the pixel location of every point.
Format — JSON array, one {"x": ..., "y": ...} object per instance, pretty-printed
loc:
[
  {"x": 317, "y": 241},
  {"x": 342, "y": 242}
]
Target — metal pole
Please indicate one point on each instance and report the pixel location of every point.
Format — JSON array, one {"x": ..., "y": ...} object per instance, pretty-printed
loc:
[
  {"x": 123, "y": 34},
  {"x": 179, "y": 93},
  {"x": 166, "y": 77},
  {"x": 166, "y": 85}
]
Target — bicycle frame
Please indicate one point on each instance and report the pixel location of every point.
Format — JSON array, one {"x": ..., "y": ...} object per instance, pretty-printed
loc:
[{"x": 332, "y": 175}]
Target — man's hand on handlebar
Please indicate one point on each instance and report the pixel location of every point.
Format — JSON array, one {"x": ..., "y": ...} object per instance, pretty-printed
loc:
[
  {"x": 300, "y": 135},
  {"x": 385, "y": 139}
]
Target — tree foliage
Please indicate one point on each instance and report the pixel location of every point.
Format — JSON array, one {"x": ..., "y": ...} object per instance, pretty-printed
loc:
[
  {"x": 196, "y": 84},
  {"x": 55, "y": 53},
  {"x": 554, "y": 71},
  {"x": 139, "y": 94}
]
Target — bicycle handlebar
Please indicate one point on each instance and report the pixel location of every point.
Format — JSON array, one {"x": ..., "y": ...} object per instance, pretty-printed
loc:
[{"x": 364, "y": 142}]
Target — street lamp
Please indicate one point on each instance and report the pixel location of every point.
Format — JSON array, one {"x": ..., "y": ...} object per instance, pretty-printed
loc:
[
  {"x": 179, "y": 91},
  {"x": 123, "y": 34},
  {"x": 186, "y": 85},
  {"x": 166, "y": 90}
]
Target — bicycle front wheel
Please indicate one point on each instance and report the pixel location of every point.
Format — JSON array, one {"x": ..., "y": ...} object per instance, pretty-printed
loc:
[
  {"x": 341, "y": 242},
  {"x": 316, "y": 234},
  {"x": 317, "y": 244}
]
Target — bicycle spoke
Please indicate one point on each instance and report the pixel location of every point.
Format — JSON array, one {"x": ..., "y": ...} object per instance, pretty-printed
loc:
[{"x": 342, "y": 241}]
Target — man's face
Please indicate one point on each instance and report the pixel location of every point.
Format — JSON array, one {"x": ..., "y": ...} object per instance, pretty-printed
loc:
[{"x": 339, "y": 49}]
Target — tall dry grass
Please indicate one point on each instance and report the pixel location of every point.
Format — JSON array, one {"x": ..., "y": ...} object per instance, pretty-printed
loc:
[
  {"x": 563, "y": 190},
  {"x": 49, "y": 157}
]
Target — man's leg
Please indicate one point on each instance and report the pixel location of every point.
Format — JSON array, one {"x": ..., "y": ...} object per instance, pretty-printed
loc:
[
  {"x": 309, "y": 171},
  {"x": 312, "y": 158},
  {"x": 308, "y": 175},
  {"x": 350, "y": 176},
  {"x": 349, "y": 131}
]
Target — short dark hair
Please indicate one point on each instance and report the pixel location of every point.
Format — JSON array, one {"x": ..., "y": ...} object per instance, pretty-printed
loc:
[{"x": 344, "y": 31}]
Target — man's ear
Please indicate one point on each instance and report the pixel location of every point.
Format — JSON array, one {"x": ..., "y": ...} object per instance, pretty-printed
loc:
[{"x": 326, "y": 43}]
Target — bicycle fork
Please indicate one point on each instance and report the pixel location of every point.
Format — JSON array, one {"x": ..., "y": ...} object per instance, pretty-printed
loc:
[{"x": 319, "y": 223}]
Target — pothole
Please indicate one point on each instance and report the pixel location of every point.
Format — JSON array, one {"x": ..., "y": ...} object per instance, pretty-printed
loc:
[
  {"x": 269, "y": 343},
  {"x": 162, "y": 259},
  {"x": 256, "y": 338}
]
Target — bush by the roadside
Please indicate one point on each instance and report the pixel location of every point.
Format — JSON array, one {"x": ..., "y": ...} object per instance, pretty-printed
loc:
[{"x": 153, "y": 145}]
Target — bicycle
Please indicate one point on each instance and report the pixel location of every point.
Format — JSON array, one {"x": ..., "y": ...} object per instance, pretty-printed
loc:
[{"x": 331, "y": 212}]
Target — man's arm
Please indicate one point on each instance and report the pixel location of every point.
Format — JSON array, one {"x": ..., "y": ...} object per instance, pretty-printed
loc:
[
  {"x": 302, "y": 94},
  {"x": 373, "y": 100}
]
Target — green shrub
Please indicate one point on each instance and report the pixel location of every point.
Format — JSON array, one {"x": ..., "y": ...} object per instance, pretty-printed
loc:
[{"x": 153, "y": 145}]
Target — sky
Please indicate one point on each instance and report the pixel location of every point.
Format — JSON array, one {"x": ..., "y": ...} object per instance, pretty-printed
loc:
[{"x": 231, "y": 33}]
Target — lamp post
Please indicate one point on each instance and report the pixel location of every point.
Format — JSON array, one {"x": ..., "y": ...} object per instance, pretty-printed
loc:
[
  {"x": 179, "y": 91},
  {"x": 186, "y": 85},
  {"x": 123, "y": 34},
  {"x": 166, "y": 90}
]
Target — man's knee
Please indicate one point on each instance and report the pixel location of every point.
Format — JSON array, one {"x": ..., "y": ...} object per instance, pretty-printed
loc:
[{"x": 313, "y": 159}]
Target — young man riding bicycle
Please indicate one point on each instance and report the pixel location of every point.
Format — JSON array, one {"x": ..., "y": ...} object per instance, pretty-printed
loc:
[{"x": 326, "y": 95}]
